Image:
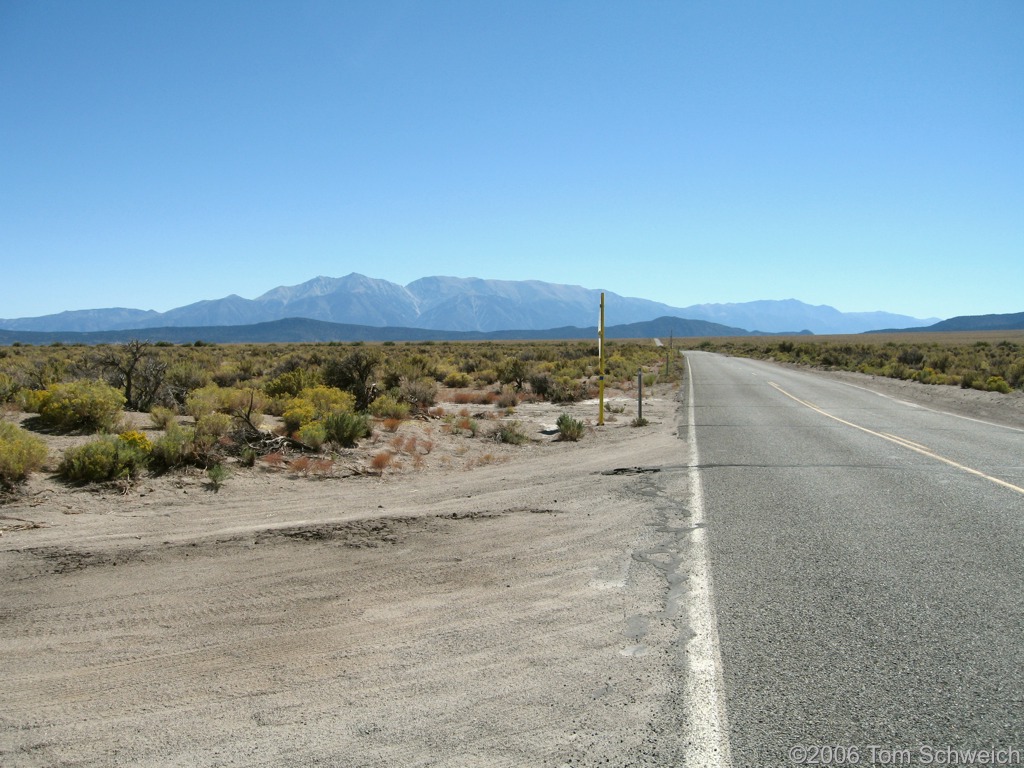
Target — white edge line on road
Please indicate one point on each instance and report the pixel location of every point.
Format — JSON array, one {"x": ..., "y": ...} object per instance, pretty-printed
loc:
[
  {"x": 903, "y": 442},
  {"x": 910, "y": 404},
  {"x": 926, "y": 408},
  {"x": 705, "y": 687}
]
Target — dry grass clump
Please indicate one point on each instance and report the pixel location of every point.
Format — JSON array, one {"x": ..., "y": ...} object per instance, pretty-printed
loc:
[
  {"x": 300, "y": 465},
  {"x": 474, "y": 398},
  {"x": 274, "y": 460}
]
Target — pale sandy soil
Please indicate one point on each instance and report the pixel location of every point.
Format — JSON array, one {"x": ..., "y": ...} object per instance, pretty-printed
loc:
[
  {"x": 481, "y": 605},
  {"x": 485, "y": 605}
]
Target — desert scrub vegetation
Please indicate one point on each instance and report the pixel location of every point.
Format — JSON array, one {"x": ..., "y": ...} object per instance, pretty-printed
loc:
[
  {"x": 110, "y": 457},
  {"x": 314, "y": 404},
  {"x": 389, "y": 407},
  {"x": 569, "y": 429},
  {"x": 21, "y": 453},
  {"x": 346, "y": 428},
  {"x": 87, "y": 406},
  {"x": 208, "y": 401},
  {"x": 510, "y": 432},
  {"x": 197, "y": 376},
  {"x": 971, "y": 361}
]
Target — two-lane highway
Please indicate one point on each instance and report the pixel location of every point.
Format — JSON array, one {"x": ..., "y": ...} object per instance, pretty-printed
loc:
[{"x": 867, "y": 559}]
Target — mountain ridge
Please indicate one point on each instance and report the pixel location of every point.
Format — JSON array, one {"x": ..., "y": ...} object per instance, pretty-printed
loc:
[
  {"x": 1005, "y": 322},
  {"x": 445, "y": 303}
]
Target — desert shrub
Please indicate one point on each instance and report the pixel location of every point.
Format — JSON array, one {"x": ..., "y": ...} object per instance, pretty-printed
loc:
[
  {"x": 1015, "y": 373},
  {"x": 203, "y": 401},
  {"x": 32, "y": 400},
  {"x": 569, "y": 428},
  {"x": 507, "y": 398},
  {"x": 137, "y": 440},
  {"x": 514, "y": 371},
  {"x": 229, "y": 376},
  {"x": 997, "y": 384},
  {"x": 108, "y": 458},
  {"x": 21, "y": 453},
  {"x": 485, "y": 376},
  {"x": 639, "y": 421},
  {"x": 420, "y": 392},
  {"x": 228, "y": 401},
  {"x": 299, "y": 413},
  {"x": 291, "y": 383},
  {"x": 162, "y": 418},
  {"x": 411, "y": 367},
  {"x": 314, "y": 404},
  {"x": 389, "y": 407},
  {"x": 217, "y": 473},
  {"x": 510, "y": 432},
  {"x": 213, "y": 426},
  {"x": 184, "y": 377},
  {"x": 567, "y": 390},
  {"x": 910, "y": 356},
  {"x": 175, "y": 448},
  {"x": 82, "y": 405},
  {"x": 328, "y": 399},
  {"x": 457, "y": 379},
  {"x": 468, "y": 424},
  {"x": 248, "y": 456},
  {"x": 354, "y": 373},
  {"x": 8, "y": 388},
  {"x": 246, "y": 400},
  {"x": 541, "y": 383},
  {"x": 346, "y": 428},
  {"x": 313, "y": 434}
]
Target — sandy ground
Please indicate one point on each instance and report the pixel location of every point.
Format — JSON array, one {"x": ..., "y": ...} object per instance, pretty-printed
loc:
[
  {"x": 480, "y": 605},
  {"x": 485, "y": 605}
]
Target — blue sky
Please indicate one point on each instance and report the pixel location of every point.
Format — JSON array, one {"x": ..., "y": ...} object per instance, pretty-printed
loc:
[{"x": 867, "y": 155}]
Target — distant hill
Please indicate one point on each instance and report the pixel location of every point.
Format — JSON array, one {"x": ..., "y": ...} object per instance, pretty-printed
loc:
[
  {"x": 304, "y": 330},
  {"x": 458, "y": 304},
  {"x": 1010, "y": 322}
]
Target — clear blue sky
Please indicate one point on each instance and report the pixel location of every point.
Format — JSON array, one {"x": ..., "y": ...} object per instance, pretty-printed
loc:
[{"x": 867, "y": 155}]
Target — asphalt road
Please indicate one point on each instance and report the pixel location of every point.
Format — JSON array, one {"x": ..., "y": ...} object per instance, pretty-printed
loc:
[{"x": 867, "y": 559}]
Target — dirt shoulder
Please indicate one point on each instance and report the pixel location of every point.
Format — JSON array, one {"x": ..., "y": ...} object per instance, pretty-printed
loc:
[{"x": 498, "y": 608}]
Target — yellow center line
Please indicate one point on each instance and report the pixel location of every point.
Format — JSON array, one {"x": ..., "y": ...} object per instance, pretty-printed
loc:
[
  {"x": 902, "y": 441},
  {"x": 906, "y": 442}
]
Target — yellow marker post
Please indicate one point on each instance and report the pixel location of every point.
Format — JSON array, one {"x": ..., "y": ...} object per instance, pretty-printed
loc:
[{"x": 600, "y": 366}]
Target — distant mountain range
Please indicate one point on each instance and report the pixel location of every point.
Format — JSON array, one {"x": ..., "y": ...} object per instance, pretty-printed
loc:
[{"x": 459, "y": 305}]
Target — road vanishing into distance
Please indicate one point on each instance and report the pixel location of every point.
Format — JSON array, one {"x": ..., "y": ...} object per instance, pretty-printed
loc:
[{"x": 866, "y": 561}]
